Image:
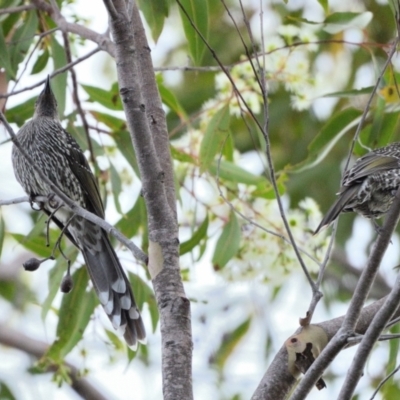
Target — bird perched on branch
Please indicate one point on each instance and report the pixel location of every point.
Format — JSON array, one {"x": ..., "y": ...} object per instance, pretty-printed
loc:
[
  {"x": 57, "y": 154},
  {"x": 369, "y": 187}
]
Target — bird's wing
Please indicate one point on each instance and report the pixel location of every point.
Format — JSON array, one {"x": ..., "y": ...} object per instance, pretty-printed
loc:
[
  {"x": 81, "y": 169},
  {"x": 370, "y": 164},
  {"x": 346, "y": 195}
]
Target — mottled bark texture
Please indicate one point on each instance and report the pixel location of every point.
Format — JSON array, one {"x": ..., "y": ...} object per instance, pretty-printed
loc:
[{"x": 146, "y": 122}]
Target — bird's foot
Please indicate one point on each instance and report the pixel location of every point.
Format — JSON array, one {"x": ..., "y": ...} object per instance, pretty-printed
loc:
[
  {"x": 378, "y": 229},
  {"x": 53, "y": 200},
  {"x": 33, "y": 201}
]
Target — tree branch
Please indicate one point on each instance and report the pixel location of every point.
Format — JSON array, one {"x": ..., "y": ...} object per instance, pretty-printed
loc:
[
  {"x": 360, "y": 294},
  {"x": 278, "y": 382},
  {"x": 154, "y": 166},
  {"x": 56, "y": 72},
  {"x": 12, "y": 338},
  {"x": 102, "y": 40}
]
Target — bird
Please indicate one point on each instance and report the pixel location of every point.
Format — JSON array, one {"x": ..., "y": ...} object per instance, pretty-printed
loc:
[
  {"x": 369, "y": 186},
  {"x": 57, "y": 154}
]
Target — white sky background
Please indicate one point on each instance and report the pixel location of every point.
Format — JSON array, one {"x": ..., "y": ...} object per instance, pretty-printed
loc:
[{"x": 247, "y": 365}]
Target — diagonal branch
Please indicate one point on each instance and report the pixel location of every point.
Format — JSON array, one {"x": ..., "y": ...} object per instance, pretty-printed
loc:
[
  {"x": 12, "y": 338},
  {"x": 278, "y": 382},
  {"x": 102, "y": 40},
  {"x": 354, "y": 311},
  {"x": 56, "y": 72}
]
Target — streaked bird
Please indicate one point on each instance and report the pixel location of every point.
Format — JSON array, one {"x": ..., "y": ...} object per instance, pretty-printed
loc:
[
  {"x": 57, "y": 154},
  {"x": 369, "y": 187}
]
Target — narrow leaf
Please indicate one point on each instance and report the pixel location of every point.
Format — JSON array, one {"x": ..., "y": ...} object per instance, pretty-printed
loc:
[
  {"x": 216, "y": 133},
  {"x": 41, "y": 62},
  {"x": 5, "y": 59},
  {"x": 230, "y": 342},
  {"x": 107, "y": 98},
  {"x": 232, "y": 172},
  {"x": 59, "y": 82},
  {"x": 19, "y": 114},
  {"x": 170, "y": 100},
  {"x": 2, "y": 232},
  {"x": 114, "y": 123},
  {"x": 144, "y": 294},
  {"x": 322, "y": 144},
  {"x": 197, "y": 236},
  {"x": 124, "y": 144},
  {"x": 228, "y": 243},
  {"x": 5, "y": 392},
  {"x": 22, "y": 39},
  {"x": 74, "y": 316},
  {"x": 116, "y": 187},
  {"x": 197, "y": 11},
  {"x": 55, "y": 276},
  {"x": 136, "y": 217},
  {"x": 154, "y": 12}
]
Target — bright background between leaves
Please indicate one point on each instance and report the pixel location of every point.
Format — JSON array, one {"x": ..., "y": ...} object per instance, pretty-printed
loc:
[{"x": 247, "y": 290}]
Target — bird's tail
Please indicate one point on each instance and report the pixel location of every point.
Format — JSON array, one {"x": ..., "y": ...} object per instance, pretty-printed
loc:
[
  {"x": 114, "y": 291},
  {"x": 344, "y": 198}
]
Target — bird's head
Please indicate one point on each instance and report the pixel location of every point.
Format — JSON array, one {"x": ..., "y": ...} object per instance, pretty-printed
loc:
[{"x": 46, "y": 104}]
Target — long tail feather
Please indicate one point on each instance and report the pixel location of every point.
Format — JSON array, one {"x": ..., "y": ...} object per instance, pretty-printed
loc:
[{"x": 114, "y": 291}]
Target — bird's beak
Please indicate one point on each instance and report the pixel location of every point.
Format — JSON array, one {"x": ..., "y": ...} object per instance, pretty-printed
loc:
[{"x": 47, "y": 87}]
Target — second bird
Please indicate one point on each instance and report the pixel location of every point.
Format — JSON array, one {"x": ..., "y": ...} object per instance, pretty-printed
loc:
[
  {"x": 57, "y": 154},
  {"x": 369, "y": 187}
]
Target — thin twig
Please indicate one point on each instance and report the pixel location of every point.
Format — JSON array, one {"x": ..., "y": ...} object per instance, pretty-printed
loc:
[
  {"x": 13, "y": 10},
  {"x": 264, "y": 130},
  {"x": 55, "y": 73},
  {"x": 383, "y": 381},
  {"x": 77, "y": 101}
]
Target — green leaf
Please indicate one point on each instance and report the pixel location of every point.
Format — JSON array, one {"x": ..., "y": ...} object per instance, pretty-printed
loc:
[
  {"x": 230, "y": 342},
  {"x": 5, "y": 58},
  {"x": 337, "y": 22},
  {"x": 136, "y": 217},
  {"x": 124, "y": 143},
  {"x": 324, "y": 5},
  {"x": 169, "y": 99},
  {"x": 197, "y": 11},
  {"x": 181, "y": 156},
  {"x": 115, "y": 340},
  {"x": 144, "y": 294},
  {"x": 41, "y": 62},
  {"x": 213, "y": 140},
  {"x": 350, "y": 93},
  {"x": 233, "y": 173},
  {"x": 59, "y": 82},
  {"x": 19, "y": 114},
  {"x": 228, "y": 243},
  {"x": 114, "y": 123},
  {"x": 35, "y": 244},
  {"x": 107, "y": 98},
  {"x": 5, "y": 392},
  {"x": 197, "y": 236},
  {"x": 74, "y": 316},
  {"x": 322, "y": 144},
  {"x": 154, "y": 12},
  {"x": 2, "y": 232},
  {"x": 22, "y": 39},
  {"x": 55, "y": 277},
  {"x": 116, "y": 187}
]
